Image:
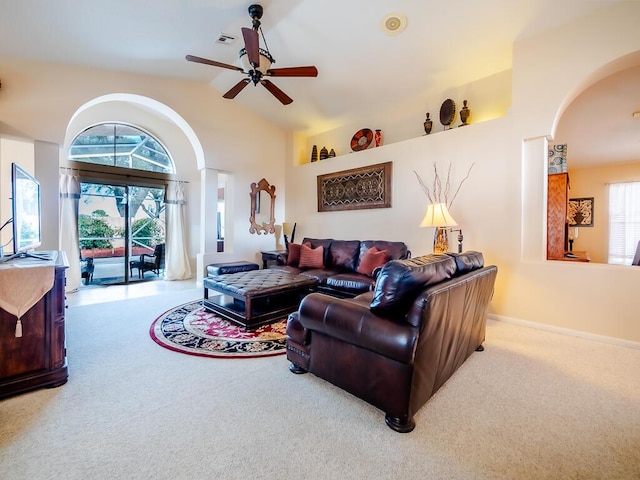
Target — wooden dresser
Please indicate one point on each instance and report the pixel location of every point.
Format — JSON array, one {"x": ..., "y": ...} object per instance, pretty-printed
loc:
[{"x": 37, "y": 358}]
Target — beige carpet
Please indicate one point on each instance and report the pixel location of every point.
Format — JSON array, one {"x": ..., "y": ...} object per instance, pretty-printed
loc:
[{"x": 534, "y": 405}]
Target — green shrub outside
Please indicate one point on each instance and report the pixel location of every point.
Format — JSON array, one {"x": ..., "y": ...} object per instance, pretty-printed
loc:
[
  {"x": 145, "y": 232},
  {"x": 94, "y": 226}
]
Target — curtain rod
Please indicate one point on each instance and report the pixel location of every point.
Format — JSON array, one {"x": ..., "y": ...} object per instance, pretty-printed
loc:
[{"x": 127, "y": 175}]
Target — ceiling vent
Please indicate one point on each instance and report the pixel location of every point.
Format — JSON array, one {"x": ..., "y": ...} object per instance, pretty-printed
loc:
[
  {"x": 226, "y": 38},
  {"x": 394, "y": 23}
]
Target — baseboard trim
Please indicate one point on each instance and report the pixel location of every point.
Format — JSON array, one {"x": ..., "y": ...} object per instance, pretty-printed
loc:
[{"x": 566, "y": 331}]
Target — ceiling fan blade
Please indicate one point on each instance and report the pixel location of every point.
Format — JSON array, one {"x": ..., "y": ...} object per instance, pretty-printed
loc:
[
  {"x": 193, "y": 58},
  {"x": 279, "y": 94},
  {"x": 293, "y": 72},
  {"x": 251, "y": 43},
  {"x": 236, "y": 89}
]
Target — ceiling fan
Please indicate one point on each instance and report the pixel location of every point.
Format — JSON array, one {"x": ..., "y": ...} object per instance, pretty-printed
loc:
[{"x": 257, "y": 62}]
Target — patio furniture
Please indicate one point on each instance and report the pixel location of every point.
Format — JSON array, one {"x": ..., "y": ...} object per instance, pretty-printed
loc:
[
  {"x": 146, "y": 262},
  {"x": 86, "y": 270}
]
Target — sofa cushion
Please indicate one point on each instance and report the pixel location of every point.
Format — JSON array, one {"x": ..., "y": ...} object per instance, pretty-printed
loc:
[
  {"x": 399, "y": 280},
  {"x": 311, "y": 257},
  {"x": 320, "y": 274},
  {"x": 321, "y": 242},
  {"x": 372, "y": 259},
  {"x": 350, "y": 282},
  {"x": 293, "y": 256},
  {"x": 467, "y": 261},
  {"x": 395, "y": 250},
  {"x": 344, "y": 254}
]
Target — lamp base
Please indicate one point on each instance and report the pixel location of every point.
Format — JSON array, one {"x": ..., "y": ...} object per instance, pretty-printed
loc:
[{"x": 440, "y": 240}]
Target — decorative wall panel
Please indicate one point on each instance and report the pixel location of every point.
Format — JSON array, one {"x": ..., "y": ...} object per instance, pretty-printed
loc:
[{"x": 358, "y": 188}]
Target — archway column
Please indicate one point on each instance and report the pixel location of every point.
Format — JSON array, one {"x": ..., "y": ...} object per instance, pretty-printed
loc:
[
  {"x": 534, "y": 219},
  {"x": 208, "y": 234}
]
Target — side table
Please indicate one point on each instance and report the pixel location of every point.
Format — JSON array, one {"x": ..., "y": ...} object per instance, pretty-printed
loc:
[{"x": 270, "y": 256}]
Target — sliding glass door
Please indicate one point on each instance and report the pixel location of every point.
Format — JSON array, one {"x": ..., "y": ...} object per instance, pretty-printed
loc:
[{"x": 117, "y": 224}]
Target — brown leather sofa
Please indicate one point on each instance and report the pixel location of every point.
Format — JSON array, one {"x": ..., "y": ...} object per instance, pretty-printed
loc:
[
  {"x": 395, "y": 346},
  {"x": 339, "y": 274}
]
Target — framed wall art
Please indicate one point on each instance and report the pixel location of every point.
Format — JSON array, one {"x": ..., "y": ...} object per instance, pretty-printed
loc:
[
  {"x": 355, "y": 189},
  {"x": 580, "y": 212}
]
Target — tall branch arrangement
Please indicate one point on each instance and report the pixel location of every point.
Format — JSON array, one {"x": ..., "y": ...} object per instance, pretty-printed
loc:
[{"x": 440, "y": 192}]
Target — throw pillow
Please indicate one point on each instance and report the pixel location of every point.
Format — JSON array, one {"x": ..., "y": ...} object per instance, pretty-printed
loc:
[
  {"x": 293, "y": 258},
  {"x": 311, "y": 257},
  {"x": 372, "y": 259}
]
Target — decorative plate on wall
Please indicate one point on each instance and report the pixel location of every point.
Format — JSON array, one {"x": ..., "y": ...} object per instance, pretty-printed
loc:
[
  {"x": 447, "y": 112},
  {"x": 362, "y": 139}
]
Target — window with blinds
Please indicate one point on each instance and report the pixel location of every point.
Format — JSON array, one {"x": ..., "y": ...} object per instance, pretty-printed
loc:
[{"x": 624, "y": 222}]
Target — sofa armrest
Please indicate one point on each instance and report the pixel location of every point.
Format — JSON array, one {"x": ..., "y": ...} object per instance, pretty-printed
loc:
[
  {"x": 353, "y": 322},
  {"x": 281, "y": 258}
]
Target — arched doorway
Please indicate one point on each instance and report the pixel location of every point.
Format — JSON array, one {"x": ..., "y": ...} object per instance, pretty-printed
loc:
[
  {"x": 121, "y": 216},
  {"x": 168, "y": 129}
]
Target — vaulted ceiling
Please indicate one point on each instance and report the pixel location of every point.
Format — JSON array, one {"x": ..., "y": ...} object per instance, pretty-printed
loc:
[{"x": 363, "y": 68}]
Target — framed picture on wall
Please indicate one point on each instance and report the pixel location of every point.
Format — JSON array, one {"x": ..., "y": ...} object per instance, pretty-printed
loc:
[{"x": 581, "y": 212}]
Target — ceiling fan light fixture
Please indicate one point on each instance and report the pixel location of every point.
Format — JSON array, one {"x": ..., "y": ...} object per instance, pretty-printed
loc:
[
  {"x": 265, "y": 61},
  {"x": 394, "y": 23},
  {"x": 256, "y": 63}
]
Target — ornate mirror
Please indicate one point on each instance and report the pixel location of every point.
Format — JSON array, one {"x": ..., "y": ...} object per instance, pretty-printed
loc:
[{"x": 263, "y": 201}]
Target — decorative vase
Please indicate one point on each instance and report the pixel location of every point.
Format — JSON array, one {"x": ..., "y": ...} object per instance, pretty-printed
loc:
[
  {"x": 378, "y": 137},
  {"x": 324, "y": 153},
  {"x": 314, "y": 153},
  {"x": 464, "y": 114},
  {"x": 332, "y": 153},
  {"x": 428, "y": 125}
]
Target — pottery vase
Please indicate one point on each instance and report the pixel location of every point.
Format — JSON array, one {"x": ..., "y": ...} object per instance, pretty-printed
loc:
[
  {"x": 324, "y": 153},
  {"x": 314, "y": 153},
  {"x": 378, "y": 137},
  {"x": 465, "y": 113},
  {"x": 428, "y": 125}
]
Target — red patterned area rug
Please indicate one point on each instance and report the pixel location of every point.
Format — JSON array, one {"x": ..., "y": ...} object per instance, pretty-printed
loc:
[{"x": 191, "y": 329}]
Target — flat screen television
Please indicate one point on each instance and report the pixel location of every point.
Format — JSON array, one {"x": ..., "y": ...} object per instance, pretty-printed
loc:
[{"x": 25, "y": 203}]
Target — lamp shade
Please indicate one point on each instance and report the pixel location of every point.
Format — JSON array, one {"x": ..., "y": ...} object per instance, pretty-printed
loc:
[
  {"x": 438, "y": 216},
  {"x": 287, "y": 228}
]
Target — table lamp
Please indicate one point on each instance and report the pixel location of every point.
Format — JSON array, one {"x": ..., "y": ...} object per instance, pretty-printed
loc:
[
  {"x": 438, "y": 216},
  {"x": 288, "y": 230}
]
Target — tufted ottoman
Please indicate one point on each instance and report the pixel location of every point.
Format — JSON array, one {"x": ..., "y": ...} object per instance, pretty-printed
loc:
[{"x": 256, "y": 297}]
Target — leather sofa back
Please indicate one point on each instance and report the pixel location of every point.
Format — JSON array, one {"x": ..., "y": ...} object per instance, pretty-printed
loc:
[
  {"x": 400, "y": 280},
  {"x": 395, "y": 250},
  {"x": 468, "y": 261},
  {"x": 347, "y": 254},
  {"x": 344, "y": 254}
]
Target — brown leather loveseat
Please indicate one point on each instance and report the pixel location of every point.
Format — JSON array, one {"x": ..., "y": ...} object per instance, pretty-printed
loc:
[
  {"x": 395, "y": 346},
  {"x": 343, "y": 268}
]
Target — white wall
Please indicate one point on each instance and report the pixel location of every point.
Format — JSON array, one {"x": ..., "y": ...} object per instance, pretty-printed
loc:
[
  {"x": 12, "y": 150},
  {"x": 502, "y": 207},
  {"x": 39, "y": 101},
  {"x": 46, "y": 170}
]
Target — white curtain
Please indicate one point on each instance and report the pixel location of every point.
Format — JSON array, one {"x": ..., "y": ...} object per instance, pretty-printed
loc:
[
  {"x": 177, "y": 265},
  {"x": 624, "y": 221},
  {"x": 68, "y": 239}
]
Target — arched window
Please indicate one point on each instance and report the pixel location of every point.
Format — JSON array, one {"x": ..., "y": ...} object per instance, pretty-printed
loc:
[{"x": 120, "y": 145}]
